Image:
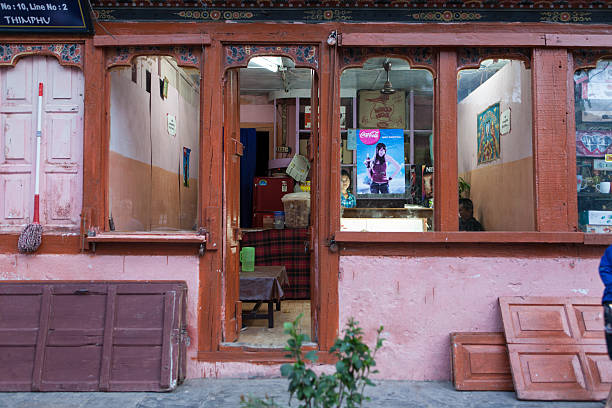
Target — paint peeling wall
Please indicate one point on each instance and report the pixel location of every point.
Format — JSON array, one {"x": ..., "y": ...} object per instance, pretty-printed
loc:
[{"x": 420, "y": 301}]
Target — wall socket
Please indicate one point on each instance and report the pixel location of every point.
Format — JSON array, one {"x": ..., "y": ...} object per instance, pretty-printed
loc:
[{"x": 282, "y": 149}]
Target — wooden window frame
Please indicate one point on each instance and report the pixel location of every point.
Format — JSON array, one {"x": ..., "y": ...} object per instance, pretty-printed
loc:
[
  {"x": 113, "y": 51},
  {"x": 555, "y": 220}
]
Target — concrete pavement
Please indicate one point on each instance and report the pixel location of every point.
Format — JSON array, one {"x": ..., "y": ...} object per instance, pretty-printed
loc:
[{"x": 225, "y": 393}]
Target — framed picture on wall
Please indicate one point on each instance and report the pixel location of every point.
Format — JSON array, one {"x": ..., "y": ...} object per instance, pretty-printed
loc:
[
  {"x": 382, "y": 111},
  {"x": 488, "y": 148}
]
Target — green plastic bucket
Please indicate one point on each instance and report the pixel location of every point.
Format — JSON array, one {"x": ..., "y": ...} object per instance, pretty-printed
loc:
[{"x": 247, "y": 257}]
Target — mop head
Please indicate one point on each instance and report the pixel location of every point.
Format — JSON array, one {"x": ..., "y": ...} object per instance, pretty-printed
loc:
[{"x": 30, "y": 238}]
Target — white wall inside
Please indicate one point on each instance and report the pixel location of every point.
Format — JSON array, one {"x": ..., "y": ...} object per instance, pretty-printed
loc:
[{"x": 511, "y": 87}]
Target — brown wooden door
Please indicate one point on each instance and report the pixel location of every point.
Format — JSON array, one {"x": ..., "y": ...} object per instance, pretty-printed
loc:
[
  {"x": 92, "y": 336},
  {"x": 232, "y": 153}
]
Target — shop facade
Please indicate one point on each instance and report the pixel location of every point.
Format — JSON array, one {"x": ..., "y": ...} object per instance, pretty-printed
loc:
[{"x": 111, "y": 211}]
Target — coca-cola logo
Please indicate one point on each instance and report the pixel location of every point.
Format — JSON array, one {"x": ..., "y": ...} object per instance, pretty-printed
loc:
[{"x": 369, "y": 136}]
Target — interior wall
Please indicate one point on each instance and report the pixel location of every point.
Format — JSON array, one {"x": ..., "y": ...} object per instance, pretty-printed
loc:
[
  {"x": 153, "y": 196},
  {"x": 130, "y": 154},
  {"x": 256, "y": 109},
  {"x": 502, "y": 191}
]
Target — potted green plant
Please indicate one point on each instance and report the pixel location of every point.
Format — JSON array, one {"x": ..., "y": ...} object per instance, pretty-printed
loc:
[{"x": 464, "y": 188}]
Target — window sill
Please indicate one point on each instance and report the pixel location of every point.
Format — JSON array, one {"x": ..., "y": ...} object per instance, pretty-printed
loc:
[
  {"x": 474, "y": 237},
  {"x": 169, "y": 238}
]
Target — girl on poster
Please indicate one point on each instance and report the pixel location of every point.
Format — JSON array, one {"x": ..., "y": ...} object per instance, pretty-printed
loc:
[{"x": 377, "y": 170}]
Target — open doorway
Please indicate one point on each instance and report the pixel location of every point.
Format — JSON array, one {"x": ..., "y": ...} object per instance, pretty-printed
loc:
[{"x": 276, "y": 124}]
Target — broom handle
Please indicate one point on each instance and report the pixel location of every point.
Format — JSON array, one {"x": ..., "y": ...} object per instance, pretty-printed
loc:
[{"x": 38, "y": 137}]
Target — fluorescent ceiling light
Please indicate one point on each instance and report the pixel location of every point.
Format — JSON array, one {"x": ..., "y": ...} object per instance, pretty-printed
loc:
[{"x": 269, "y": 63}]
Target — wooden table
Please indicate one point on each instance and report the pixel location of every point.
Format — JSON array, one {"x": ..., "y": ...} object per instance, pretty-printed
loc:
[{"x": 264, "y": 284}]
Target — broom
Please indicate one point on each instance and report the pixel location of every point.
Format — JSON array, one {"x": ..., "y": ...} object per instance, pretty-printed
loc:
[{"x": 31, "y": 236}]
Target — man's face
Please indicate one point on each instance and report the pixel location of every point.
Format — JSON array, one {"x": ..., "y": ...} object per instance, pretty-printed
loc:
[
  {"x": 345, "y": 182},
  {"x": 464, "y": 213}
]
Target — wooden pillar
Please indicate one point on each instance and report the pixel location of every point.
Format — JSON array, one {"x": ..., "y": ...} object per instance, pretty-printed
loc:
[
  {"x": 94, "y": 137},
  {"x": 211, "y": 196},
  {"x": 446, "y": 202},
  {"x": 550, "y": 142},
  {"x": 570, "y": 141},
  {"x": 327, "y": 196}
]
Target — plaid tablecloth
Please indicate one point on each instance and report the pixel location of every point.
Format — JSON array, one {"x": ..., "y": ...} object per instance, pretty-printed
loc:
[{"x": 284, "y": 247}]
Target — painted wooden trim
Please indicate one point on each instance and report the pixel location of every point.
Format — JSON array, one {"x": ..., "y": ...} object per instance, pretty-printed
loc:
[
  {"x": 587, "y": 58},
  {"x": 51, "y": 244},
  {"x": 597, "y": 239},
  {"x": 578, "y": 40},
  {"x": 472, "y": 39},
  {"x": 147, "y": 237},
  {"x": 462, "y": 237},
  {"x": 303, "y": 55},
  {"x": 142, "y": 40},
  {"x": 257, "y": 357},
  {"x": 446, "y": 205},
  {"x": 479, "y": 250},
  {"x": 471, "y": 57},
  {"x": 226, "y": 348},
  {"x": 422, "y": 57},
  {"x": 184, "y": 56},
  {"x": 67, "y": 54}
]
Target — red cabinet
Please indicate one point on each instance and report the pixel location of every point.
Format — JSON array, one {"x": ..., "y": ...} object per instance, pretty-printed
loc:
[{"x": 92, "y": 336}]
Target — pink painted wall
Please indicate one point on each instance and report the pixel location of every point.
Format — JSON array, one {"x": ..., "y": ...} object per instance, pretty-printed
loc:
[
  {"x": 420, "y": 301},
  {"x": 256, "y": 110}
]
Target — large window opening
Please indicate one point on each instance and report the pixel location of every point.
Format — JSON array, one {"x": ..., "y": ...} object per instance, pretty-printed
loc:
[
  {"x": 387, "y": 147},
  {"x": 593, "y": 107},
  {"x": 154, "y": 146},
  {"x": 494, "y": 147},
  {"x": 276, "y": 120}
]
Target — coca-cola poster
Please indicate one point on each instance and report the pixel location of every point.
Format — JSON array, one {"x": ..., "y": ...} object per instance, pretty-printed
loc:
[
  {"x": 380, "y": 161},
  {"x": 382, "y": 111}
]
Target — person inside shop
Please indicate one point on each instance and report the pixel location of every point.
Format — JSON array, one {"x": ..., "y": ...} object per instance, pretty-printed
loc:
[
  {"x": 347, "y": 200},
  {"x": 377, "y": 170},
  {"x": 605, "y": 272},
  {"x": 467, "y": 222}
]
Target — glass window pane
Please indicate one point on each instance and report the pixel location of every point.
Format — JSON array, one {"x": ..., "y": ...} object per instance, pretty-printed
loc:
[
  {"x": 494, "y": 147},
  {"x": 387, "y": 147},
  {"x": 593, "y": 106},
  {"x": 154, "y": 146}
]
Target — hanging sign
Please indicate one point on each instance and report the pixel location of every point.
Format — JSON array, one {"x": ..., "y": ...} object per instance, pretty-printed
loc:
[
  {"x": 504, "y": 122},
  {"x": 171, "y": 124},
  {"x": 45, "y": 15}
]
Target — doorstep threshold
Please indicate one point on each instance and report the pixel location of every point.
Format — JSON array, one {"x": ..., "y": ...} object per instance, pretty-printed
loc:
[{"x": 263, "y": 347}]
